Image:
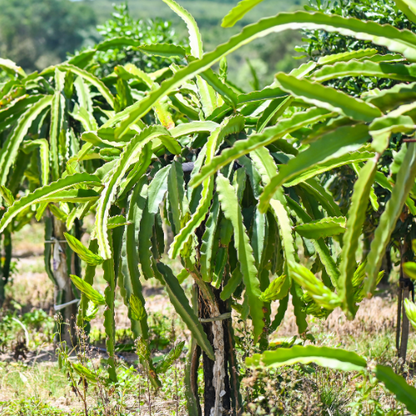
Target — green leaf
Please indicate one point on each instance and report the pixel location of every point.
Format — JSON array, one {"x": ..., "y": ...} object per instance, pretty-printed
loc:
[
  {"x": 264, "y": 163},
  {"x": 85, "y": 372},
  {"x": 145, "y": 240},
  {"x": 10, "y": 67},
  {"x": 385, "y": 183},
  {"x": 331, "y": 163},
  {"x": 335, "y": 358},
  {"x": 398, "y": 386},
  {"x": 56, "y": 124},
  {"x": 334, "y": 144},
  {"x": 238, "y": 12},
  {"x": 85, "y": 111},
  {"x": 255, "y": 83},
  {"x": 83, "y": 252},
  {"x": 232, "y": 211},
  {"x": 258, "y": 236},
  {"x": 7, "y": 195},
  {"x": 129, "y": 278},
  {"x": 84, "y": 309},
  {"x": 404, "y": 182},
  {"x": 274, "y": 289},
  {"x": 157, "y": 189},
  {"x": 388, "y": 36},
  {"x": 281, "y": 311},
  {"x": 229, "y": 96},
  {"x": 181, "y": 304},
  {"x": 97, "y": 83},
  {"x": 320, "y": 246},
  {"x": 410, "y": 269},
  {"x": 267, "y": 93},
  {"x": 118, "y": 42},
  {"x": 116, "y": 221},
  {"x": 253, "y": 175},
  {"x": 397, "y": 71},
  {"x": 410, "y": 309},
  {"x": 282, "y": 218},
  {"x": 345, "y": 56},
  {"x": 93, "y": 295},
  {"x": 170, "y": 358},
  {"x": 49, "y": 191},
  {"x": 193, "y": 127},
  {"x": 356, "y": 217},
  {"x": 161, "y": 109},
  {"x": 136, "y": 172},
  {"x": 55, "y": 211},
  {"x": 229, "y": 126},
  {"x": 326, "y": 227},
  {"x": 315, "y": 288},
  {"x": 165, "y": 50},
  {"x": 129, "y": 253},
  {"x": 82, "y": 59},
  {"x": 93, "y": 138},
  {"x": 176, "y": 196},
  {"x": 359, "y": 275},
  {"x": 269, "y": 135},
  {"x": 109, "y": 313},
  {"x": 90, "y": 313},
  {"x": 195, "y": 41},
  {"x": 206, "y": 96},
  {"x": 71, "y": 195},
  {"x": 382, "y": 128},
  {"x": 393, "y": 97},
  {"x": 275, "y": 109},
  {"x": 408, "y": 7},
  {"x": 11, "y": 146},
  {"x": 328, "y": 98},
  {"x": 137, "y": 308},
  {"x": 184, "y": 107},
  {"x": 43, "y": 146},
  {"x": 130, "y": 155},
  {"x": 232, "y": 284},
  {"x": 209, "y": 241},
  {"x": 320, "y": 194}
]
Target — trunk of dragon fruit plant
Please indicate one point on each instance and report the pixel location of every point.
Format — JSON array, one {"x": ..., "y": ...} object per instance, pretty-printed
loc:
[{"x": 61, "y": 263}]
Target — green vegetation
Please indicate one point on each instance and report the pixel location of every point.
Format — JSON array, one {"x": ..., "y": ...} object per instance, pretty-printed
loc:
[
  {"x": 36, "y": 34},
  {"x": 147, "y": 31},
  {"x": 42, "y": 37},
  {"x": 222, "y": 197},
  {"x": 319, "y": 48}
]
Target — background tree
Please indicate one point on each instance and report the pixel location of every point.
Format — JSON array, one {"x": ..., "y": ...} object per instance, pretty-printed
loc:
[
  {"x": 36, "y": 34},
  {"x": 146, "y": 31}
]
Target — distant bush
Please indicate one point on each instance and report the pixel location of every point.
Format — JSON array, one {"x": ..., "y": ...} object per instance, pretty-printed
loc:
[
  {"x": 147, "y": 31},
  {"x": 36, "y": 34}
]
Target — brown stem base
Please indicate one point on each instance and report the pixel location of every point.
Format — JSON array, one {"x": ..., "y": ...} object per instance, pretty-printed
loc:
[{"x": 218, "y": 396}]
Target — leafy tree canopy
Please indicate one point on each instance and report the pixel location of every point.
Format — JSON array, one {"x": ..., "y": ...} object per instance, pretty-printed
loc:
[
  {"x": 147, "y": 31},
  {"x": 39, "y": 33}
]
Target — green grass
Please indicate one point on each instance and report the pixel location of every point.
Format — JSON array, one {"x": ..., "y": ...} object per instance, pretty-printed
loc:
[
  {"x": 29, "y": 407},
  {"x": 293, "y": 390},
  {"x": 42, "y": 380}
]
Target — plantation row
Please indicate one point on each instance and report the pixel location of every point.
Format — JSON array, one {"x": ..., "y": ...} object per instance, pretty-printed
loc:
[{"x": 236, "y": 177}]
